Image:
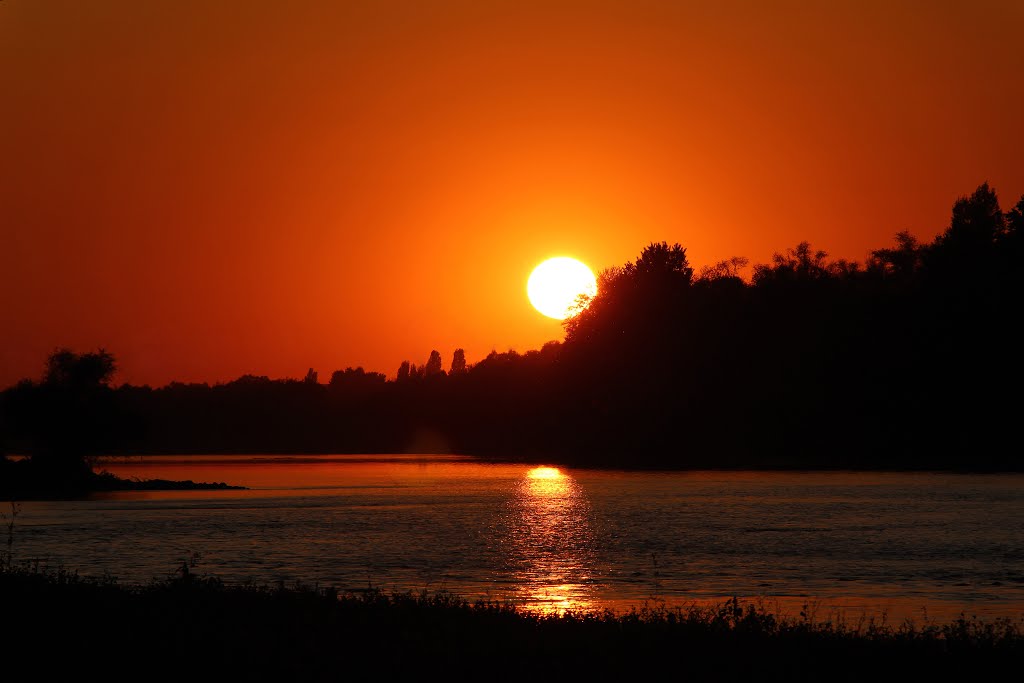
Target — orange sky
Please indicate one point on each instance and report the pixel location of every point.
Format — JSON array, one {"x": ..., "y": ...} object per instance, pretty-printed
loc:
[{"x": 213, "y": 188}]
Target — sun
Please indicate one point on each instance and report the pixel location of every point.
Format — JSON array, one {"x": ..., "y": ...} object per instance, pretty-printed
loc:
[{"x": 554, "y": 286}]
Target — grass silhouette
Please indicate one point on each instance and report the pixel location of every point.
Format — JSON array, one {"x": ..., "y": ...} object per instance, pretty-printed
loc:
[{"x": 191, "y": 626}]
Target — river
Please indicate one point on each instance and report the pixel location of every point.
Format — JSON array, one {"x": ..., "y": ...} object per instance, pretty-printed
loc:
[{"x": 924, "y": 546}]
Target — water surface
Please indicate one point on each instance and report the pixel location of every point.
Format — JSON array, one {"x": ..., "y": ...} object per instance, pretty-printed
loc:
[{"x": 919, "y": 545}]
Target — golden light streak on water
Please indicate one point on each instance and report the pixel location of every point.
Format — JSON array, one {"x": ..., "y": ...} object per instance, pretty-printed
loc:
[{"x": 552, "y": 543}]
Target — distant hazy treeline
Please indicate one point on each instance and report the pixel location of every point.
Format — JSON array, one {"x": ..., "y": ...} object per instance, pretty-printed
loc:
[{"x": 911, "y": 359}]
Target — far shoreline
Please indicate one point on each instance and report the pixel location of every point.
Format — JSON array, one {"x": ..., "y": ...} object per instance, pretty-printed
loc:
[{"x": 603, "y": 464}]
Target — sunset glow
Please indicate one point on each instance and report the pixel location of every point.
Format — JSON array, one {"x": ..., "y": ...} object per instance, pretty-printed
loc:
[{"x": 329, "y": 186}]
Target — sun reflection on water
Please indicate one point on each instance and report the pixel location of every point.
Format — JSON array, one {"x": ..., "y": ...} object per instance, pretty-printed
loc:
[{"x": 551, "y": 548}]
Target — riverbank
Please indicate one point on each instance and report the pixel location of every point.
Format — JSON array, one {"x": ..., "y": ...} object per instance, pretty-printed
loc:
[
  {"x": 191, "y": 627},
  {"x": 25, "y": 480}
]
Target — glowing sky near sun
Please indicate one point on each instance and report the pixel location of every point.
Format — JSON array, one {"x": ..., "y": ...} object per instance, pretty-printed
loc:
[{"x": 209, "y": 189}]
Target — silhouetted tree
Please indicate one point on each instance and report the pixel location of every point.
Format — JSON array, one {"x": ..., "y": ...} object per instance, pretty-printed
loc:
[
  {"x": 458, "y": 366},
  {"x": 356, "y": 382},
  {"x": 403, "y": 372},
  {"x": 965, "y": 253},
  {"x": 637, "y": 295},
  {"x": 433, "y": 367},
  {"x": 71, "y": 371},
  {"x": 68, "y": 417},
  {"x": 660, "y": 261},
  {"x": 801, "y": 264},
  {"x": 904, "y": 261},
  {"x": 723, "y": 270},
  {"x": 977, "y": 220},
  {"x": 1012, "y": 240},
  {"x": 311, "y": 377},
  {"x": 1015, "y": 220}
]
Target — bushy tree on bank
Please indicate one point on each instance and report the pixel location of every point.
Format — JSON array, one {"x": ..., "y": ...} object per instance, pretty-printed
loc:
[
  {"x": 65, "y": 419},
  {"x": 68, "y": 414},
  {"x": 910, "y": 359}
]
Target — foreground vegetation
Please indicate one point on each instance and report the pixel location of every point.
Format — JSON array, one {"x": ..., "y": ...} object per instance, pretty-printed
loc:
[{"x": 56, "y": 623}]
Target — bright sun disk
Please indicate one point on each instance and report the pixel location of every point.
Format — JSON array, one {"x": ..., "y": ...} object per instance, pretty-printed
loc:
[{"x": 555, "y": 286}]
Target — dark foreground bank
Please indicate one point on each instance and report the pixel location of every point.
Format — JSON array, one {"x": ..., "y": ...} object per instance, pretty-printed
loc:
[{"x": 58, "y": 624}]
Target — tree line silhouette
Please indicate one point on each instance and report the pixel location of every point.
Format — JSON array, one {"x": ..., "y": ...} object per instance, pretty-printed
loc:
[{"x": 911, "y": 359}]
